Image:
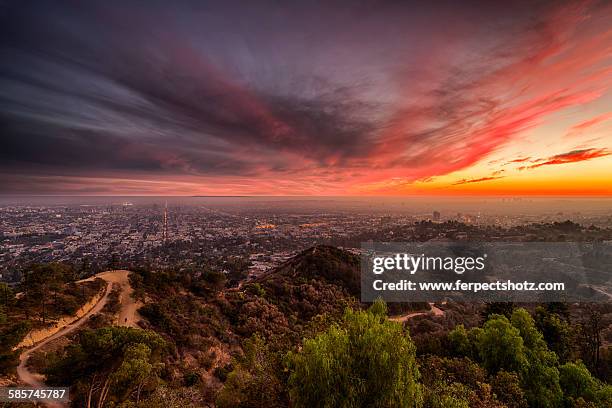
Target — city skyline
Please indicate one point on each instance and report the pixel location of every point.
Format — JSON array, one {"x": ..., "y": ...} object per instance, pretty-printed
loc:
[{"x": 357, "y": 99}]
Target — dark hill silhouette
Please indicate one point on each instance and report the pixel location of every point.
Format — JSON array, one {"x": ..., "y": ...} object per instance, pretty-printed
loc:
[
  {"x": 325, "y": 262},
  {"x": 330, "y": 266}
]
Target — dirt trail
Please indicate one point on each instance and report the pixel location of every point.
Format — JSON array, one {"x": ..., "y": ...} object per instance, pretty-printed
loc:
[
  {"x": 435, "y": 311},
  {"x": 127, "y": 316},
  {"x": 38, "y": 335}
]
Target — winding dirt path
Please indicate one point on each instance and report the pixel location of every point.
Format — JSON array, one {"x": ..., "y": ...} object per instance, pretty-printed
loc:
[
  {"x": 435, "y": 311},
  {"x": 127, "y": 316}
]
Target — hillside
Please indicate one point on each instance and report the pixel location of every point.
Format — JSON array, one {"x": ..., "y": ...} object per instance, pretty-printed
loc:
[
  {"x": 319, "y": 281},
  {"x": 207, "y": 343},
  {"x": 323, "y": 262}
]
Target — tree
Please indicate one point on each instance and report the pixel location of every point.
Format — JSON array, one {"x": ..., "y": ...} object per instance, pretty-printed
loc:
[
  {"x": 166, "y": 396},
  {"x": 576, "y": 380},
  {"x": 606, "y": 364},
  {"x": 10, "y": 336},
  {"x": 590, "y": 337},
  {"x": 366, "y": 360},
  {"x": 497, "y": 308},
  {"x": 443, "y": 395},
  {"x": 500, "y": 346},
  {"x": 109, "y": 364},
  {"x": 578, "y": 384},
  {"x": 456, "y": 382},
  {"x": 561, "y": 309},
  {"x": 134, "y": 370},
  {"x": 507, "y": 388},
  {"x": 37, "y": 283},
  {"x": 379, "y": 308},
  {"x": 540, "y": 376},
  {"x": 254, "y": 382},
  {"x": 556, "y": 331},
  {"x": 7, "y": 298},
  {"x": 517, "y": 346},
  {"x": 459, "y": 343}
]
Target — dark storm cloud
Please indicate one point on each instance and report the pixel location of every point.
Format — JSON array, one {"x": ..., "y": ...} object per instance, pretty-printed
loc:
[{"x": 98, "y": 93}]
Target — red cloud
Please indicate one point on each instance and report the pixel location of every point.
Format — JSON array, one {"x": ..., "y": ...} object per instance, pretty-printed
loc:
[
  {"x": 478, "y": 180},
  {"x": 521, "y": 160},
  {"x": 552, "y": 67},
  {"x": 578, "y": 129},
  {"x": 571, "y": 157}
]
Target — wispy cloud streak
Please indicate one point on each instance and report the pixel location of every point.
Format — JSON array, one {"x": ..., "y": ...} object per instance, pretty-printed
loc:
[{"x": 569, "y": 157}]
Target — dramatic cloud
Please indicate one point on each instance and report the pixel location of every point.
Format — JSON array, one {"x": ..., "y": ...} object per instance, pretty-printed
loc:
[
  {"x": 570, "y": 157},
  {"x": 266, "y": 98}
]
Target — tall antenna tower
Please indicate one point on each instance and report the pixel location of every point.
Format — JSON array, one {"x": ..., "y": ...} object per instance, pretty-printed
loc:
[{"x": 165, "y": 233}]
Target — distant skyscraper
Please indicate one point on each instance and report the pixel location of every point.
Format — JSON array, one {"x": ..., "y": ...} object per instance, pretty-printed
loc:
[
  {"x": 165, "y": 233},
  {"x": 436, "y": 216}
]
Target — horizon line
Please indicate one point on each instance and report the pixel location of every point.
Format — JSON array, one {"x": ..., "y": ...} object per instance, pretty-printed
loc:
[{"x": 313, "y": 196}]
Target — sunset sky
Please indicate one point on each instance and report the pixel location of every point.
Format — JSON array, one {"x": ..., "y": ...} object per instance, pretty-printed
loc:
[{"x": 306, "y": 98}]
